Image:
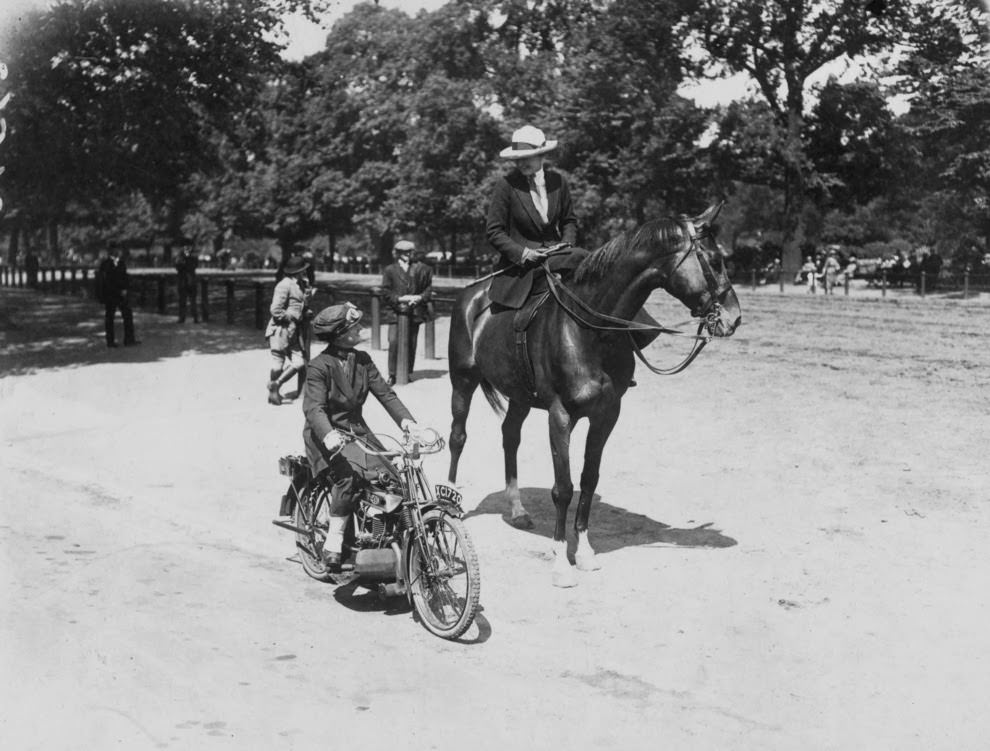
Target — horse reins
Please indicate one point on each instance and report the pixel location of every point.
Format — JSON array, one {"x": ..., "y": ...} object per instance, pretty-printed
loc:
[{"x": 710, "y": 315}]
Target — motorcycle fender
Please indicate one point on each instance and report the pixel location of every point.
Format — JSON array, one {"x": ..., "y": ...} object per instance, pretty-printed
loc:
[{"x": 289, "y": 500}]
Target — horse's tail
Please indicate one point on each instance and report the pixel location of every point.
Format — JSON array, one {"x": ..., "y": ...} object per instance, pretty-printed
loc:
[{"x": 493, "y": 397}]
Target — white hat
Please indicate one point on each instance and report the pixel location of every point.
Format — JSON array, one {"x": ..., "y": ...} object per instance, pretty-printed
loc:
[
  {"x": 403, "y": 246},
  {"x": 527, "y": 141}
]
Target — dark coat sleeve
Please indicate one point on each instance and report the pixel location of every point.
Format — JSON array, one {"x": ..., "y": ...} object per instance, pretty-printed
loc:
[
  {"x": 566, "y": 219},
  {"x": 498, "y": 226},
  {"x": 393, "y": 286},
  {"x": 315, "y": 406}
]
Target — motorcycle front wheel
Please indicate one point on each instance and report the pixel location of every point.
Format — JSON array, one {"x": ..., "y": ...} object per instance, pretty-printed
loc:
[
  {"x": 444, "y": 576},
  {"x": 312, "y": 509}
]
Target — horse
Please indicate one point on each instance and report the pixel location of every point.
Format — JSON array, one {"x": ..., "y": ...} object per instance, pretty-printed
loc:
[{"x": 577, "y": 355}]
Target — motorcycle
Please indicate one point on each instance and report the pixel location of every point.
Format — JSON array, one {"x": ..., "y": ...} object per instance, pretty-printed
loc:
[{"x": 403, "y": 537}]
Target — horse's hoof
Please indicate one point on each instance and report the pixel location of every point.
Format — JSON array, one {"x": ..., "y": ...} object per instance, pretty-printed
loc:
[
  {"x": 587, "y": 562},
  {"x": 564, "y": 578},
  {"x": 521, "y": 522}
]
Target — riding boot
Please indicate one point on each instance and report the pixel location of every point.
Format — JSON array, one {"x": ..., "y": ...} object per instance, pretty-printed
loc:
[
  {"x": 273, "y": 396},
  {"x": 301, "y": 380},
  {"x": 285, "y": 378},
  {"x": 335, "y": 540}
]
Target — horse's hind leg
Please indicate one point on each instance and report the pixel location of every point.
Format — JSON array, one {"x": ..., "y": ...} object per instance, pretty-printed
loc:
[
  {"x": 599, "y": 429},
  {"x": 463, "y": 384},
  {"x": 511, "y": 430}
]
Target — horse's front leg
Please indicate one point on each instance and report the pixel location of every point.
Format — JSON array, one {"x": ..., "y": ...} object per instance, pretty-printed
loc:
[
  {"x": 511, "y": 431},
  {"x": 561, "y": 425},
  {"x": 599, "y": 429}
]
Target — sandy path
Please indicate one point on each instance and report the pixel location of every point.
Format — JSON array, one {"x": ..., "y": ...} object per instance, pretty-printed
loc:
[{"x": 793, "y": 539}]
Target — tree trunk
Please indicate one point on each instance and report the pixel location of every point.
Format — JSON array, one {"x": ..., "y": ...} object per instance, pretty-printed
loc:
[
  {"x": 794, "y": 182},
  {"x": 54, "y": 251},
  {"x": 331, "y": 250},
  {"x": 14, "y": 246}
]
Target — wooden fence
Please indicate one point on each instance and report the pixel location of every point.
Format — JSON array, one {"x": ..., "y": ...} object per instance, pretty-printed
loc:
[{"x": 234, "y": 299}]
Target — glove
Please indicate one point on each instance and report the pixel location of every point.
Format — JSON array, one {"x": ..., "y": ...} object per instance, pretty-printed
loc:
[
  {"x": 333, "y": 441},
  {"x": 532, "y": 256},
  {"x": 409, "y": 426}
]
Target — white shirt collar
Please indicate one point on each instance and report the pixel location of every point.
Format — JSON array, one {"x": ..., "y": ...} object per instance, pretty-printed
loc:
[{"x": 540, "y": 178}]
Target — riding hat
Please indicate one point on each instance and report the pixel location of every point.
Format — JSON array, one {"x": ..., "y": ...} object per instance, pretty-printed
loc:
[
  {"x": 527, "y": 141},
  {"x": 403, "y": 248},
  {"x": 333, "y": 321},
  {"x": 295, "y": 265}
]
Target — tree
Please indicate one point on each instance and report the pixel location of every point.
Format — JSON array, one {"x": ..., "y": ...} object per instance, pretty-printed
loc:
[
  {"x": 114, "y": 96},
  {"x": 780, "y": 44},
  {"x": 851, "y": 142}
]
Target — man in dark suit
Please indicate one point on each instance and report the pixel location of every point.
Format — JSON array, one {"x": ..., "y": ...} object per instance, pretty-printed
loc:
[
  {"x": 112, "y": 288},
  {"x": 530, "y": 210},
  {"x": 186, "y": 265},
  {"x": 406, "y": 289}
]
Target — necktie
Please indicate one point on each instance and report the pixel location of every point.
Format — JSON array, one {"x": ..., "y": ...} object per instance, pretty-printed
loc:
[{"x": 539, "y": 197}]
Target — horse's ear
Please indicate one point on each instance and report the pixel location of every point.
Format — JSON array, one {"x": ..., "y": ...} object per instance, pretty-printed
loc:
[{"x": 711, "y": 214}]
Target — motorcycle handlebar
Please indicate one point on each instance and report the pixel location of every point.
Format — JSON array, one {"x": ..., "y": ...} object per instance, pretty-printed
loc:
[{"x": 407, "y": 447}]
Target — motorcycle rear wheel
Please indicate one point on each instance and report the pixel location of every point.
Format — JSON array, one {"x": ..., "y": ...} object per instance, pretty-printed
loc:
[
  {"x": 444, "y": 576},
  {"x": 312, "y": 509}
]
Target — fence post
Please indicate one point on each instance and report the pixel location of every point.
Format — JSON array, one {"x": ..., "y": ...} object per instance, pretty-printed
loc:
[
  {"x": 376, "y": 318},
  {"x": 430, "y": 341},
  {"x": 966, "y": 282},
  {"x": 259, "y": 306},
  {"x": 204, "y": 299},
  {"x": 845, "y": 284},
  {"x": 753, "y": 274},
  {"x": 883, "y": 282},
  {"x": 921, "y": 288},
  {"x": 402, "y": 354},
  {"x": 63, "y": 288},
  {"x": 229, "y": 284},
  {"x": 161, "y": 294},
  {"x": 73, "y": 284}
]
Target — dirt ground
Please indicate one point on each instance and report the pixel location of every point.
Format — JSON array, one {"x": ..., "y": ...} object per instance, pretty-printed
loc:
[{"x": 793, "y": 539}]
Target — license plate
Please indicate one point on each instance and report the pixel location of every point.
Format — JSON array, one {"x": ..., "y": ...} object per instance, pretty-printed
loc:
[{"x": 447, "y": 493}]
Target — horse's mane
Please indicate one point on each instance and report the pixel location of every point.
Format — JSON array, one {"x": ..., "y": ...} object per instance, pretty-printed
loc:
[{"x": 668, "y": 232}]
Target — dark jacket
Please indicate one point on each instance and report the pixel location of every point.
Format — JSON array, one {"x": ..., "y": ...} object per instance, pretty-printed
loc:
[
  {"x": 112, "y": 280},
  {"x": 514, "y": 224},
  {"x": 186, "y": 265},
  {"x": 338, "y": 382},
  {"x": 418, "y": 280}
]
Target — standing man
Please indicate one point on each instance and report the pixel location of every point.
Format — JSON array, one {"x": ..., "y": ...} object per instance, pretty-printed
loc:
[
  {"x": 112, "y": 285},
  {"x": 406, "y": 289},
  {"x": 186, "y": 265}
]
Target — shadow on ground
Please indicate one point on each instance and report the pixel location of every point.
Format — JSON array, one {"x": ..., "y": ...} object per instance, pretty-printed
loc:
[
  {"x": 74, "y": 334},
  {"x": 422, "y": 375},
  {"x": 611, "y": 528}
]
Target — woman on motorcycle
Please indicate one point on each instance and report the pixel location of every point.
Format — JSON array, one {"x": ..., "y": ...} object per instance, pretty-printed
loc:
[{"x": 338, "y": 381}]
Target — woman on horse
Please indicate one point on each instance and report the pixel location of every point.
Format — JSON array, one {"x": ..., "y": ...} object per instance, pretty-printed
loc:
[
  {"x": 338, "y": 382},
  {"x": 530, "y": 212}
]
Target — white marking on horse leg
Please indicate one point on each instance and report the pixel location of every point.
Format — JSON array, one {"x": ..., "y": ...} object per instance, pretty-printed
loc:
[
  {"x": 562, "y": 573},
  {"x": 584, "y": 556},
  {"x": 512, "y": 493}
]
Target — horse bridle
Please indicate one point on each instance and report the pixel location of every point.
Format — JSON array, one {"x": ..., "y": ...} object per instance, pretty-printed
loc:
[{"x": 709, "y": 315}]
